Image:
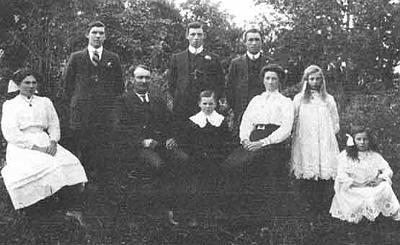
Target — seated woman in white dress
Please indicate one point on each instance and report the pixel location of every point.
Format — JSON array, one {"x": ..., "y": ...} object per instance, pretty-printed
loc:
[
  {"x": 363, "y": 186},
  {"x": 37, "y": 167}
]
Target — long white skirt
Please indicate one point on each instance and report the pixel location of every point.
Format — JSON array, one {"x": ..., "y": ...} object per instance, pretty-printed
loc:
[
  {"x": 352, "y": 204},
  {"x": 31, "y": 176}
]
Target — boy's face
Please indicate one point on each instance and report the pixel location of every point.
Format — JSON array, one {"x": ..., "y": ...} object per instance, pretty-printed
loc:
[
  {"x": 96, "y": 36},
  {"x": 361, "y": 140},
  {"x": 207, "y": 105},
  {"x": 315, "y": 80}
]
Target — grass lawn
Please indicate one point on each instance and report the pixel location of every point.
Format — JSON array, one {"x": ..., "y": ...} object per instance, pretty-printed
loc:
[{"x": 131, "y": 209}]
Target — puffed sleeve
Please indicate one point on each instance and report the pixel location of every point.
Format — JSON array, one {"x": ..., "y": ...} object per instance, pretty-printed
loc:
[
  {"x": 246, "y": 126},
  {"x": 283, "y": 132},
  {"x": 53, "y": 128},
  {"x": 385, "y": 172},
  {"x": 9, "y": 127},
  {"x": 334, "y": 114},
  {"x": 343, "y": 180}
]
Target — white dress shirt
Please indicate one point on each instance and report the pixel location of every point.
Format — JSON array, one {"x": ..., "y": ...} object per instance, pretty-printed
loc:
[
  {"x": 253, "y": 56},
  {"x": 195, "y": 51},
  {"x": 92, "y": 50},
  {"x": 268, "y": 108},
  {"x": 146, "y": 97}
]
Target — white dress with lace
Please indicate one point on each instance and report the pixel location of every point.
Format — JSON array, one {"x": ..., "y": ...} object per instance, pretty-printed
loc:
[
  {"x": 30, "y": 175},
  {"x": 352, "y": 203},
  {"x": 314, "y": 146}
]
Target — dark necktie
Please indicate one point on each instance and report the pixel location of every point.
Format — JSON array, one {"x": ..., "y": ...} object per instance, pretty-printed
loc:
[
  {"x": 143, "y": 97},
  {"x": 95, "y": 58}
]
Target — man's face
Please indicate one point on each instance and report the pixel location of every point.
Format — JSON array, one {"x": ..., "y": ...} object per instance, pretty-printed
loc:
[
  {"x": 196, "y": 37},
  {"x": 96, "y": 36},
  {"x": 141, "y": 80},
  {"x": 253, "y": 42}
]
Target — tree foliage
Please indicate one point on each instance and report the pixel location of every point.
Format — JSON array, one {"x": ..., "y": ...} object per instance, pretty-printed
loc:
[{"x": 354, "y": 40}]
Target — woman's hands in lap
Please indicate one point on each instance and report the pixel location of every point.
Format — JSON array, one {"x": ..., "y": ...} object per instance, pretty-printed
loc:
[{"x": 252, "y": 146}]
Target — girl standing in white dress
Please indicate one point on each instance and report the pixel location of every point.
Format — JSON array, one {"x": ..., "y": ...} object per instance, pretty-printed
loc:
[
  {"x": 363, "y": 183},
  {"x": 37, "y": 167},
  {"x": 314, "y": 145}
]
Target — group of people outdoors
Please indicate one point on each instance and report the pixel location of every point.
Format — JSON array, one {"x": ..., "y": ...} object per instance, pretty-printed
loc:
[{"x": 270, "y": 130}]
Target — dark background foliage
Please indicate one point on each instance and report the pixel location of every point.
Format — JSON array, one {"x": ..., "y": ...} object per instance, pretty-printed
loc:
[{"x": 356, "y": 42}]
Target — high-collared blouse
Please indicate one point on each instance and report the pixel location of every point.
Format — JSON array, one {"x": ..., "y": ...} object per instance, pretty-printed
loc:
[
  {"x": 268, "y": 108},
  {"x": 21, "y": 114}
]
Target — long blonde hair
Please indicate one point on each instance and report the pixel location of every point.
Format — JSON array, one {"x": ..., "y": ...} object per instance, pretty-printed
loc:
[{"x": 306, "y": 91}]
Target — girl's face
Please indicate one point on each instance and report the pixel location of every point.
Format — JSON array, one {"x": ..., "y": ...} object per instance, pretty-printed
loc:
[
  {"x": 28, "y": 86},
  {"x": 361, "y": 140},
  {"x": 271, "y": 81},
  {"x": 315, "y": 80},
  {"x": 207, "y": 105}
]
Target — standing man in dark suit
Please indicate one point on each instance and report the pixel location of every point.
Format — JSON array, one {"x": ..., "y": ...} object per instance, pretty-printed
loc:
[
  {"x": 92, "y": 81},
  {"x": 244, "y": 74},
  {"x": 192, "y": 71}
]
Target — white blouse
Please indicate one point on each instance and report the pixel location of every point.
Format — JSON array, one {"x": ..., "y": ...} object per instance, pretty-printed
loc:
[
  {"x": 21, "y": 114},
  {"x": 268, "y": 108}
]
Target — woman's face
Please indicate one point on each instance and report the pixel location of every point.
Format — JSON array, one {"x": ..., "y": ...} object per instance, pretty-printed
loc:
[
  {"x": 315, "y": 80},
  {"x": 271, "y": 81},
  {"x": 361, "y": 140},
  {"x": 28, "y": 86},
  {"x": 207, "y": 105}
]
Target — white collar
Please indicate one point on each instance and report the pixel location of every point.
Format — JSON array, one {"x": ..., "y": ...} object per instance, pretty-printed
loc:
[
  {"x": 253, "y": 56},
  {"x": 195, "y": 51},
  {"x": 93, "y": 49},
  {"x": 25, "y": 98},
  {"x": 201, "y": 119},
  {"x": 146, "y": 95},
  {"x": 268, "y": 94}
]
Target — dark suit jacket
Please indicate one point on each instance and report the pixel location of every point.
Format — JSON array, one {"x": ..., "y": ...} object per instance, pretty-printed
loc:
[
  {"x": 238, "y": 85},
  {"x": 209, "y": 76},
  {"x": 132, "y": 125},
  {"x": 92, "y": 90}
]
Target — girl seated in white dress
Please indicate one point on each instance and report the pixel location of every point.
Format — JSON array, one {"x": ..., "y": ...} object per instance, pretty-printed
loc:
[
  {"x": 37, "y": 167},
  {"x": 363, "y": 182}
]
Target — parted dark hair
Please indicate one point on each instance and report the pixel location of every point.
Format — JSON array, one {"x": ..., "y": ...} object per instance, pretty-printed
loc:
[
  {"x": 96, "y": 23},
  {"x": 251, "y": 30},
  {"x": 275, "y": 68},
  {"x": 208, "y": 94},
  {"x": 22, "y": 73},
  {"x": 194, "y": 25},
  {"x": 352, "y": 151}
]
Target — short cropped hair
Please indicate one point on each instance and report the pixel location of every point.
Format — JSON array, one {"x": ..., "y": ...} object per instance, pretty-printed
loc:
[
  {"x": 252, "y": 30},
  {"x": 208, "y": 94},
  {"x": 194, "y": 25},
  {"x": 94, "y": 24}
]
